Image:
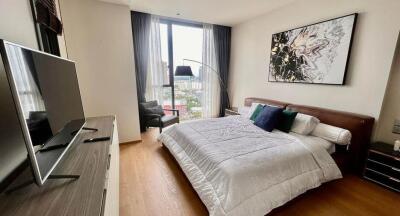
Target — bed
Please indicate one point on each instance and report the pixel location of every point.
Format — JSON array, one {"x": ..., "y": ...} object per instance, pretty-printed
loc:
[{"x": 239, "y": 169}]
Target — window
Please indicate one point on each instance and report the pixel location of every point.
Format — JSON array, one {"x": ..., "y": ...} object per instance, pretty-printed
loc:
[
  {"x": 164, "y": 52},
  {"x": 187, "y": 44},
  {"x": 47, "y": 25},
  {"x": 181, "y": 41},
  {"x": 167, "y": 91}
]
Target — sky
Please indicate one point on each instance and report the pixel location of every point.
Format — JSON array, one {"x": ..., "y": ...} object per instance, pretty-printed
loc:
[{"x": 187, "y": 43}]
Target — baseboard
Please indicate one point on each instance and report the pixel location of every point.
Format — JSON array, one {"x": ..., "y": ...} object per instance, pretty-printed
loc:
[{"x": 130, "y": 142}]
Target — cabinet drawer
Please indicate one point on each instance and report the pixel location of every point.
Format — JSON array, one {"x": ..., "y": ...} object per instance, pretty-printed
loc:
[
  {"x": 383, "y": 168},
  {"x": 390, "y": 182},
  {"x": 391, "y": 161}
]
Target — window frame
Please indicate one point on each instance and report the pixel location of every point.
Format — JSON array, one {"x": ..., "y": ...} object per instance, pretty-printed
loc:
[{"x": 46, "y": 39}]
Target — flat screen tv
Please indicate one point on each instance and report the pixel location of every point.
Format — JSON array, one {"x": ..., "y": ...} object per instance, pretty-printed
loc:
[{"x": 45, "y": 92}]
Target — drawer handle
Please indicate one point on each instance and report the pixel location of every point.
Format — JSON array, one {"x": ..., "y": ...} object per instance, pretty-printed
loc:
[
  {"x": 394, "y": 179},
  {"x": 395, "y": 169}
]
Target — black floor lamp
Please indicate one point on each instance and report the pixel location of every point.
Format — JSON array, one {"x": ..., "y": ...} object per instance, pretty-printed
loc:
[{"x": 184, "y": 70}]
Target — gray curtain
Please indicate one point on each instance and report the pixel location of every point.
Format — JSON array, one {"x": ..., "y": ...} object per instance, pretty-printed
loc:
[
  {"x": 140, "y": 32},
  {"x": 222, "y": 37}
]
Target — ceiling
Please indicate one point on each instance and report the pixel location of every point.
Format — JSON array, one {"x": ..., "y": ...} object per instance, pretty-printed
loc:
[{"x": 223, "y": 12}]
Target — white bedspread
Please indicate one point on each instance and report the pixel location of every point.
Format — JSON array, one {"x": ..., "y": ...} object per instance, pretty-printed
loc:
[{"x": 240, "y": 169}]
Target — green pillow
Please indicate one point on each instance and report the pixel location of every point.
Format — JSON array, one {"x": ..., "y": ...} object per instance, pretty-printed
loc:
[
  {"x": 256, "y": 112},
  {"x": 286, "y": 121}
]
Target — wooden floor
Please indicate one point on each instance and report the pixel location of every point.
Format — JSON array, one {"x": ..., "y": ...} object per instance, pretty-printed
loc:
[{"x": 151, "y": 183}]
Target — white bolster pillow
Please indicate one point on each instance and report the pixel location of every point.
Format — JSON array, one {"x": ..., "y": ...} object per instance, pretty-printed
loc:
[
  {"x": 304, "y": 124},
  {"x": 331, "y": 133}
]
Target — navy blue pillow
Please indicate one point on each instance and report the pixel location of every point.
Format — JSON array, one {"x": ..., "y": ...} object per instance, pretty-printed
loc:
[{"x": 268, "y": 118}]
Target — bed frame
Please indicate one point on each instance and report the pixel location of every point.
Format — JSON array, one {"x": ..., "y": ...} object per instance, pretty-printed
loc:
[{"x": 360, "y": 126}]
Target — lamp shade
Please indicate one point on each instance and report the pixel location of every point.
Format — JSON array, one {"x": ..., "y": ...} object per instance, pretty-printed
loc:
[{"x": 183, "y": 71}]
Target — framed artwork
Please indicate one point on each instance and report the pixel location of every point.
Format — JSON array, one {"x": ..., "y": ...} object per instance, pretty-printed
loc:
[{"x": 317, "y": 53}]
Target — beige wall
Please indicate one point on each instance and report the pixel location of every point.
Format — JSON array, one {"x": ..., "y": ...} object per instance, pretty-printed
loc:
[
  {"x": 373, "y": 48},
  {"x": 16, "y": 25},
  {"x": 391, "y": 105},
  {"x": 99, "y": 39}
]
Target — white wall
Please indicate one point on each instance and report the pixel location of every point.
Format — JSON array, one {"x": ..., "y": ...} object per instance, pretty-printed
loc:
[
  {"x": 16, "y": 25},
  {"x": 372, "y": 53},
  {"x": 98, "y": 37},
  {"x": 391, "y": 105}
]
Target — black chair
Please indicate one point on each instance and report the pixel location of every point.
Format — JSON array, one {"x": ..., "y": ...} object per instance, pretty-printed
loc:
[{"x": 154, "y": 116}]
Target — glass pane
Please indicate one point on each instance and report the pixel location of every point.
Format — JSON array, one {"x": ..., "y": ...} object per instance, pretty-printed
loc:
[
  {"x": 187, "y": 44},
  {"x": 167, "y": 100},
  {"x": 164, "y": 51}
]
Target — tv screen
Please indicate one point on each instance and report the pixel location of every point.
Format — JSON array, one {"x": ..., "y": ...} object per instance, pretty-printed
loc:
[{"x": 47, "y": 97}]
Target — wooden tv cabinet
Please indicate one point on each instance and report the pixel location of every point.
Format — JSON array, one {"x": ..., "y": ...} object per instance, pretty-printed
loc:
[{"x": 96, "y": 192}]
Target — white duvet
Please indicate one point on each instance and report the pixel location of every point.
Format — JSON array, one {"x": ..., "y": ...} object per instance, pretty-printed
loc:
[{"x": 239, "y": 169}]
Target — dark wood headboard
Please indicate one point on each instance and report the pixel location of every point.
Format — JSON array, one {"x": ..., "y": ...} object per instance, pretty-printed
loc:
[
  {"x": 249, "y": 101},
  {"x": 360, "y": 127}
]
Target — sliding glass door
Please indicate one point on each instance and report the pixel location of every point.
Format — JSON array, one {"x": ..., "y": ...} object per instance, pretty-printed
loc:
[{"x": 181, "y": 41}]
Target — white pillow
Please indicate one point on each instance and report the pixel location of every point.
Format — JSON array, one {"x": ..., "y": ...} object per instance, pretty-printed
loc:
[
  {"x": 252, "y": 109},
  {"x": 331, "y": 133},
  {"x": 304, "y": 124},
  {"x": 244, "y": 110}
]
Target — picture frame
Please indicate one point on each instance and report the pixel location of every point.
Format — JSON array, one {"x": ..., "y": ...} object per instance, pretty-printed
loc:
[{"x": 313, "y": 54}]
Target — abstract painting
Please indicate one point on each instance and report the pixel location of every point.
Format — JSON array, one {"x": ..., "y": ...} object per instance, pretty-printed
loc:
[{"x": 316, "y": 53}]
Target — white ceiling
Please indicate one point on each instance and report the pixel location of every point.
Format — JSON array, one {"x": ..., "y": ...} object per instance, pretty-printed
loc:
[{"x": 223, "y": 12}]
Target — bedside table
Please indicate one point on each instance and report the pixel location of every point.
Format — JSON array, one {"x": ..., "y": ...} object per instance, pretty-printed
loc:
[
  {"x": 383, "y": 166},
  {"x": 231, "y": 111}
]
